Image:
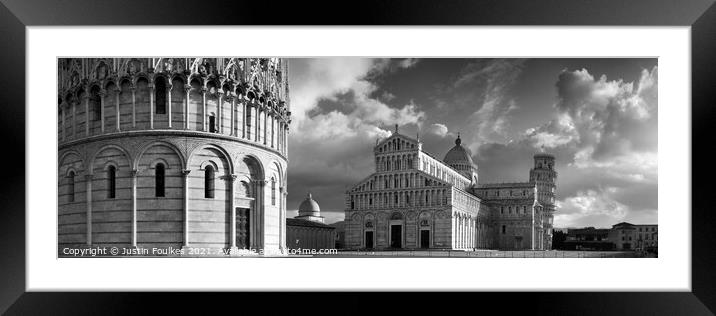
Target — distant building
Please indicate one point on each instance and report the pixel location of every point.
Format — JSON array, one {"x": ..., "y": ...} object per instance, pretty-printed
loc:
[
  {"x": 588, "y": 238},
  {"x": 627, "y": 236},
  {"x": 622, "y": 236},
  {"x": 308, "y": 230}
]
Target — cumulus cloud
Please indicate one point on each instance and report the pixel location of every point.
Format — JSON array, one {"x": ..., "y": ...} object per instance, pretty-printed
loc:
[
  {"x": 611, "y": 117},
  {"x": 604, "y": 133},
  {"x": 438, "y": 129},
  {"x": 339, "y": 122},
  {"x": 591, "y": 207},
  {"x": 390, "y": 65}
]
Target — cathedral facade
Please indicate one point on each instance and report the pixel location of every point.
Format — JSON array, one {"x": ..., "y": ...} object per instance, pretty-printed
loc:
[
  {"x": 172, "y": 153},
  {"x": 415, "y": 201}
]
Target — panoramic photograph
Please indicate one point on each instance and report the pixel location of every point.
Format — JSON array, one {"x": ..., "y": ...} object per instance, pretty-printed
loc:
[{"x": 357, "y": 157}]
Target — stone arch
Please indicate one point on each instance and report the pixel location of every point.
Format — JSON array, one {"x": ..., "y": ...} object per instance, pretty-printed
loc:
[
  {"x": 274, "y": 184},
  {"x": 142, "y": 98},
  {"x": 140, "y": 76},
  {"x": 208, "y": 163},
  {"x": 107, "y": 83},
  {"x": 178, "y": 76},
  {"x": 220, "y": 155},
  {"x": 196, "y": 105},
  {"x": 240, "y": 90},
  {"x": 196, "y": 78},
  {"x": 177, "y": 93},
  {"x": 226, "y": 87},
  {"x": 250, "y": 166},
  {"x": 125, "y": 103},
  {"x": 79, "y": 92},
  {"x": 162, "y": 86},
  {"x": 95, "y": 109},
  {"x": 147, "y": 146},
  {"x": 209, "y": 215},
  {"x": 110, "y": 163},
  {"x": 110, "y": 105},
  {"x": 153, "y": 164},
  {"x": 96, "y": 157},
  {"x": 280, "y": 172},
  {"x": 111, "y": 215},
  {"x": 70, "y": 161},
  {"x": 160, "y": 218},
  {"x": 212, "y": 86},
  {"x": 71, "y": 158}
]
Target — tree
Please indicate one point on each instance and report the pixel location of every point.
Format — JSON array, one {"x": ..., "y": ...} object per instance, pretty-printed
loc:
[{"x": 558, "y": 238}]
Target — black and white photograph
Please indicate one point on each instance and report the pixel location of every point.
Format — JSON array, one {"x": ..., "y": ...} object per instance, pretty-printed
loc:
[
  {"x": 551, "y": 155},
  {"x": 357, "y": 157}
]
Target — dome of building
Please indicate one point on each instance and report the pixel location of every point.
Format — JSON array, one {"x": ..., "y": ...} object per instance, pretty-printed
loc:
[
  {"x": 309, "y": 207},
  {"x": 458, "y": 155},
  {"x": 460, "y": 159}
]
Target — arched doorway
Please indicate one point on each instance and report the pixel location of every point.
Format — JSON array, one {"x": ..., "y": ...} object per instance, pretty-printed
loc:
[
  {"x": 396, "y": 230},
  {"x": 369, "y": 232},
  {"x": 249, "y": 204},
  {"x": 424, "y": 230}
]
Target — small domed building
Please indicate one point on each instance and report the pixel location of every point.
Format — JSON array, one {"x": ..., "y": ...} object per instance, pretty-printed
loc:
[
  {"x": 308, "y": 230},
  {"x": 310, "y": 210},
  {"x": 172, "y": 153}
]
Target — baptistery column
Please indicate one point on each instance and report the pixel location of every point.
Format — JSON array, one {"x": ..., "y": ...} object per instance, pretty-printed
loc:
[
  {"x": 62, "y": 116},
  {"x": 258, "y": 123},
  {"x": 185, "y": 178},
  {"x": 134, "y": 106},
  {"x": 232, "y": 196},
  {"x": 218, "y": 114},
  {"x": 86, "y": 101},
  {"x": 187, "y": 91},
  {"x": 169, "y": 103},
  {"x": 116, "y": 102},
  {"x": 133, "y": 174},
  {"x": 151, "y": 105},
  {"x": 244, "y": 108},
  {"x": 232, "y": 126},
  {"x": 102, "y": 94},
  {"x": 88, "y": 216},
  {"x": 203, "y": 111}
]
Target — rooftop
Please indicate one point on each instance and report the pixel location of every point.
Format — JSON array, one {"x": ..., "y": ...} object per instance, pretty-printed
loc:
[
  {"x": 306, "y": 223},
  {"x": 505, "y": 185}
]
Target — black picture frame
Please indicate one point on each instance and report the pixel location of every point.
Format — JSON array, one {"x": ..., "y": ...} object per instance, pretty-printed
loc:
[{"x": 15, "y": 15}]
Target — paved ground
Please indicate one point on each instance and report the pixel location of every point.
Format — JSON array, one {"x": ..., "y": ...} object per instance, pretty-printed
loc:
[{"x": 490, "y": 254}]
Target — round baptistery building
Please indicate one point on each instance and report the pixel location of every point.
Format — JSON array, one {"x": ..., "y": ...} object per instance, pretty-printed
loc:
[{"x": 161, "y": 154}]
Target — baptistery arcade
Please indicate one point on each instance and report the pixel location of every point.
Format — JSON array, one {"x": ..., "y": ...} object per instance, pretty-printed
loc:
[{"x": 173, "y": 153}]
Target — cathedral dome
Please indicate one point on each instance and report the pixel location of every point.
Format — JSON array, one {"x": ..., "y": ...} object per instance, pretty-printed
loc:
[
  {"x": 458, "y": 155},
  {"x": 309, "y": 207}
]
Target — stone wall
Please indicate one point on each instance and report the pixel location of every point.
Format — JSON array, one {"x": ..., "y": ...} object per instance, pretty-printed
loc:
[
  {"x": 309, "y": 237},
  {"x": 160, "y": 221}
]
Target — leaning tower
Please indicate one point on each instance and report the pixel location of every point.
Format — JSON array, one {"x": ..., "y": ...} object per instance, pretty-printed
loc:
[
  {"x": 544, "y": 177},
  {"x": 172, "y": 153}
]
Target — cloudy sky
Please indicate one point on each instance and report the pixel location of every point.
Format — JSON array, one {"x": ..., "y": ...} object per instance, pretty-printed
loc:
[{"x": 597, "y": 116}]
